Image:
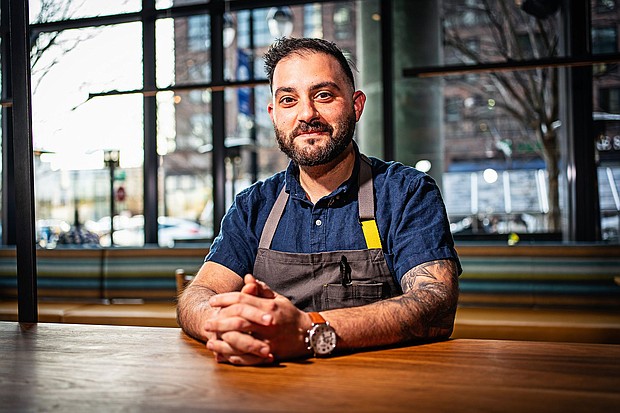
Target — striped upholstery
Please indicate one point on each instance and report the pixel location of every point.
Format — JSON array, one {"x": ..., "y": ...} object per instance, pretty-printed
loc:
[
  {"x": 522, "y": 275},
  {"x": 539, "y": 275},
  {"x": 145, "y": 273}
]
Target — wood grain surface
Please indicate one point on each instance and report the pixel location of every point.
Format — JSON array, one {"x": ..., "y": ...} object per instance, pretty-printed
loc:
[{"x": 92, "y": 368}]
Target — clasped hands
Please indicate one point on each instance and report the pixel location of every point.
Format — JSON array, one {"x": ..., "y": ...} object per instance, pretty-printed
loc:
[{"x": 256, "y": 326}]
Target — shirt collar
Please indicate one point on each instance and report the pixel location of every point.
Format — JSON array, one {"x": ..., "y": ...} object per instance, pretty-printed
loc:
[{"x": 295, "y": 190}]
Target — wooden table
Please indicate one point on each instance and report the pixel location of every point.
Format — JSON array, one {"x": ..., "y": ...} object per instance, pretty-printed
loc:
[{"x": 92, "y": 368}]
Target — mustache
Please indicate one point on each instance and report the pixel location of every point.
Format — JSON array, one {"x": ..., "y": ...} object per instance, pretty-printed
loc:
[{"x": 312, "y": 127}]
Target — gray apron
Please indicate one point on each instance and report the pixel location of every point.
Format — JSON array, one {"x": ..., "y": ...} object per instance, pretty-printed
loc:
[{"x": 327, "y": 280}]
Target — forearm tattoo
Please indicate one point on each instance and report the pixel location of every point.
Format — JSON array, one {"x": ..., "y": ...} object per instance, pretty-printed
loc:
[{"x": 430, "y": 298}]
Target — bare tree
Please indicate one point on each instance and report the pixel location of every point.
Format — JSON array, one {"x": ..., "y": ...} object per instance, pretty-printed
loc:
[{"x": 485, "y": 31}]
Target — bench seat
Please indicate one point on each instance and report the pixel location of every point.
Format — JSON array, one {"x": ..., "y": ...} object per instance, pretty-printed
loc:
[
  {"x": 159, "y": 314},
  {"x": 488, "y": 323}
]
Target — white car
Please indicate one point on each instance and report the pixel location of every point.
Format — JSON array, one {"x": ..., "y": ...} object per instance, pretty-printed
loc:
[{"x": 129, "y": 232}]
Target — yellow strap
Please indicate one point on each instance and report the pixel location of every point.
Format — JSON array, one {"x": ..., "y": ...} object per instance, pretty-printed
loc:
[{"x": 371, "y": 233}]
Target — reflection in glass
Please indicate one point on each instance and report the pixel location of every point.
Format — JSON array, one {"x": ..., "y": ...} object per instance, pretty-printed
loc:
[
  {"x": 186, "y": 42},
  {"x": 42, "y": 11},
  {"x": 507, "y": 120},
  {"x": 606, "y": 116},
  {"x": 71, "y": 131}
]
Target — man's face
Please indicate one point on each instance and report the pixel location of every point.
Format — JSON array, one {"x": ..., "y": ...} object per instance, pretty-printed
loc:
[{"x": 314, "y": 108}]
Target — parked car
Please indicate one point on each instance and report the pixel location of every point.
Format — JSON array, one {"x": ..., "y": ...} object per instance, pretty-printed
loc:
[
  {"x": 48, "y": 231},
  {"x": 129, "y": 231}
]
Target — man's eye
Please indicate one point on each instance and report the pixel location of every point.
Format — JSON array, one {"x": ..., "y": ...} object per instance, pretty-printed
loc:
[
  {"x": 287, "y": 100},
  {"x": 323, "y": 95}
]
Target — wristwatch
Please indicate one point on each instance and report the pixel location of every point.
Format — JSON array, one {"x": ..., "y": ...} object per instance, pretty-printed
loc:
[{"x": 321, "y": 338}]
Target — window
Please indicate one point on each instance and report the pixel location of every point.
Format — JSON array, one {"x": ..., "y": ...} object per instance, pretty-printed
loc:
[
  {"x": 343, "y": 22},
  {"x": 604, "y": 40},
  {"x": 73, "y": 133},
  {"x": 485, "y": 126},
  {"x": 603, "y": 6},
  {"x": 497, "y": 174},
  {"x": 609, "y": 100},
  {"x": 313, "y": 21},
  {"x": 198, "y": 33}
]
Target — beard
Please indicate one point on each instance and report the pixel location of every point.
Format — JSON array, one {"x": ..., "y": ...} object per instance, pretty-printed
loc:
[{"x": 313, "y": 154}]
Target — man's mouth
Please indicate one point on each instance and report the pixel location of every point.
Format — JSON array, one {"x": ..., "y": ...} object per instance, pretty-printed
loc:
[{"x": 317, "y": 129}]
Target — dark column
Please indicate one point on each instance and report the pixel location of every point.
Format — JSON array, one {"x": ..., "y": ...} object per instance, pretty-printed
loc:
[
  {"x": 581, "y": 206},
  {"x": 23, "y": 167},
  {"x": 374, "y": 60},
  {"x": 418, "y": 103}
]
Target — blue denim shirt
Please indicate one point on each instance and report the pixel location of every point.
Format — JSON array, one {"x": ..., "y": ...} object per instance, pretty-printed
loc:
[{"x": 410, "y": 214}]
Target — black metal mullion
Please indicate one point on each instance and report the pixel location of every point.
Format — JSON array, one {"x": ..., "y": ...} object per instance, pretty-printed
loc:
[
  {"x": 570, "y": 61},
  {"x": 387, "y": 67},
  {"x": 218, "y": 112},
  {"x": 151, "y": 164},
  {"x": 23, "y": 167},
  {"x": 582, "y": 180},
  {"x": 8, "y": 175}
]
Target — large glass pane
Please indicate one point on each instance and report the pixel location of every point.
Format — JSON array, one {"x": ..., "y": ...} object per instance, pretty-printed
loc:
[
  {"x": 497, "y": 31},
  {"x": 76, "y": 189},
  {"x": 252, "y": 152},
  {"x": 184, "y": 142},
  {"x": 42, "y": 11},
  {"x": 606, "y": 94},
  {"x": 184, "y": 134},
  {"x": 495, "y": 151},
  {"x": 183, "y": 50}
]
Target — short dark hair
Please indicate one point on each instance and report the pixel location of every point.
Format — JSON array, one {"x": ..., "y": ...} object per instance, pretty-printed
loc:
[{"x": 286, "y": 46}]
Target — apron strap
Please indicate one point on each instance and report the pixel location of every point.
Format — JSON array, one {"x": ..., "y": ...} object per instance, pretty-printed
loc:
[
  {"x": 366, "y": 203},
  {"x": 273, "y": 219}
]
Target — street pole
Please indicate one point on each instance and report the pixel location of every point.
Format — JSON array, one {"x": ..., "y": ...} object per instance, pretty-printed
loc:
[{"x": 111, "y": 158}]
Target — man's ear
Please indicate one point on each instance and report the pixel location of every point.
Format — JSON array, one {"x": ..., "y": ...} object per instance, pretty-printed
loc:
[
  {"x": 359, "y": 100},
  {"x": 270, "y": 110}
]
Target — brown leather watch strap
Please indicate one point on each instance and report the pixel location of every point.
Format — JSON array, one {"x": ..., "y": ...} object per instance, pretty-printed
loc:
[{"x": 317, "y": 318}]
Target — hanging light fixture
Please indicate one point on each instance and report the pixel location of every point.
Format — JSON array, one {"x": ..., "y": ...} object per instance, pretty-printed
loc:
[
  {"x": 280, "y": 21},
  {"x": 229, "y": 30}
]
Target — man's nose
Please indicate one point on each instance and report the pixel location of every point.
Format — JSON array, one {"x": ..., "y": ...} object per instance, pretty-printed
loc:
[{"x": 307, "y": 111}]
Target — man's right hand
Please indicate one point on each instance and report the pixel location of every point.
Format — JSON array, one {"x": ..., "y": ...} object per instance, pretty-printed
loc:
[
  {"x": 254, "y": 317},
  {"x": 240, "y": 347}
]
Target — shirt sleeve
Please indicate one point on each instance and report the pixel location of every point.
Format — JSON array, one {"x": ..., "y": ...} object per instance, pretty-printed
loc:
[
  {"x": 235, "y": 246},
  {"x": 420, "y": 230}
]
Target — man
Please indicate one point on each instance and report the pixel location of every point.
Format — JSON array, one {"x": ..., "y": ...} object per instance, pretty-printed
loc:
[{"x": 338, "y": 252}]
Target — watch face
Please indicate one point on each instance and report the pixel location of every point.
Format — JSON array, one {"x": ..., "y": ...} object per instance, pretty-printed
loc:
[{"x": 323, "y": 339}]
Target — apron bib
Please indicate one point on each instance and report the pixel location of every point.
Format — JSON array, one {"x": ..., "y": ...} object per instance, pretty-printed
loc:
[{"x": 334, "y": 279}]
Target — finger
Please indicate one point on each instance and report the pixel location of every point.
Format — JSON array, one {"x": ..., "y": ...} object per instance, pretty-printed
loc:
[
  {"x": 249, "y": 279},
  {"x": 251, "y": 289},
  {"x": 258, "y": 288},
  {"x": 249, "y": 360},
  {"x": 239, "y": 344},
  {"x": 243, "y": 314},
  {"x": 230, "y": 324},
  {"x": 229, "y": 299},
  {"x": 265, "y": 291}
]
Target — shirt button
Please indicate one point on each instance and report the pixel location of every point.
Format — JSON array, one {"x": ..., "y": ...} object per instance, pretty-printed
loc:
[{"x": 318, "y": 222}]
